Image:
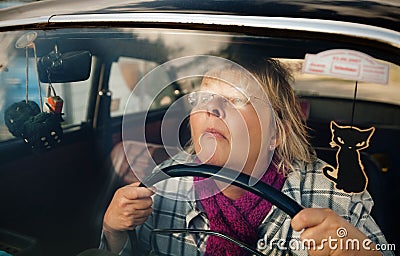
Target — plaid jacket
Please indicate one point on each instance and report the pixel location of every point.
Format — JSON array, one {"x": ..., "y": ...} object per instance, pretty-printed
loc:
[{"x": 306, "y": 185}]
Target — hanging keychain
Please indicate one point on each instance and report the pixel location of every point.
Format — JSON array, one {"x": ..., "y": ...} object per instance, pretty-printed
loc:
[
  {"x": 40, "y": 129},
  {"x": 54, "y": 102},
  {"x": 18, "y": 113}
]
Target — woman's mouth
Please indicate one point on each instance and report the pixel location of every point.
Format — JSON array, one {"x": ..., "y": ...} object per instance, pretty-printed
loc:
[{"x": 214, "y": 133}]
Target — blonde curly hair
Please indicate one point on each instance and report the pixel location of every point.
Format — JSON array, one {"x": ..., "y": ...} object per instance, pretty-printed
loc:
[{"x": 292, "y": 134}]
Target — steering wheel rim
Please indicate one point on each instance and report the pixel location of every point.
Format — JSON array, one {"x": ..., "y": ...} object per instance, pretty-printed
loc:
[{"x": 266, "y": 191}]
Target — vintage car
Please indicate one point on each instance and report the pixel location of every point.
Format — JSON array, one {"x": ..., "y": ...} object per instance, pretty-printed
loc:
[{"x": 82, "y": 97}]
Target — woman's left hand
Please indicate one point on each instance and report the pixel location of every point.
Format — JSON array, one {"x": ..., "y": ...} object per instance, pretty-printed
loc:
[{"x": 329, "y": 234}]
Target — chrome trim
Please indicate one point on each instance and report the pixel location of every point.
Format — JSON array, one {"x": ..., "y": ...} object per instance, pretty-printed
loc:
[
  {"x": 300, "y": 24},
  {"x": 297, "y": 24},
  {"x": 24, "y": 22}
]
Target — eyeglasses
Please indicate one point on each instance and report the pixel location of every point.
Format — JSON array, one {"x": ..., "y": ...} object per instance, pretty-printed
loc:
[{"x": 202, "y": 98}]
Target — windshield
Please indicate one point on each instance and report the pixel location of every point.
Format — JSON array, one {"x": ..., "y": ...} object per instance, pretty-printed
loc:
[
  {"x": 138, "y": 51},
  {"x": 128, "y": 100}
]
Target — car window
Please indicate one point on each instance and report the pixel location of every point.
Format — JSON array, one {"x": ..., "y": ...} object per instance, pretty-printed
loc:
[
  {"x": 310, "y": 84},
  {"x": 18, "y": 84},
  {"x": 376, "y": 103},
  {"x": 125, "y": 74},
  {"x": 138, "y": 51}
]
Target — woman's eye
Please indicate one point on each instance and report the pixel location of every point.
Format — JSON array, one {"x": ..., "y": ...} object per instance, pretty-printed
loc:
[
  {"x": 340, "y": 140},
  {"x": 238, "y": 102}
]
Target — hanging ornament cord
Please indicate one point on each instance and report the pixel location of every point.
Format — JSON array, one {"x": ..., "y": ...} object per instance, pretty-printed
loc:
[
  {"x": 354, "y": 104},
  {"x": 38, "y": 80},
  {"x": 26, "y": 76},
  {"x": 50, "y": 90}
]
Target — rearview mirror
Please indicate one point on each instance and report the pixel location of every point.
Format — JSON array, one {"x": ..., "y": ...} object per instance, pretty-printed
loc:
[{"x": 57, "y": 67}]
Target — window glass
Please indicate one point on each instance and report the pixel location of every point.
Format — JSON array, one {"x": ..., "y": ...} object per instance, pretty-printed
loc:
[
  {"x": 332, "y": 98},
  {"x": 75, "y": 96},
  {"x": 132, "y": 53},
  {"x": 19, "y": 81},
  {"x": 309, "y": 84},
  {"x": 161, "y": 46},
  {"x": 125, "y": 74}
]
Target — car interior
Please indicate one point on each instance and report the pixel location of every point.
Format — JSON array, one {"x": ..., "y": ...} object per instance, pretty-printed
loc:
[{"x": 53, "y": 200}]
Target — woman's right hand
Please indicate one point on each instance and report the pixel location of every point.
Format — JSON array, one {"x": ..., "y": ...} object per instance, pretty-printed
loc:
[{"x": 130, "y": 207}]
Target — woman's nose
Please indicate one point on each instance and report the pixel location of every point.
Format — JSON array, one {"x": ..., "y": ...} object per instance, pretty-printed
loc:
[
  {"x": 215, "y": 108},
  {"x": 214, "y": 112}
]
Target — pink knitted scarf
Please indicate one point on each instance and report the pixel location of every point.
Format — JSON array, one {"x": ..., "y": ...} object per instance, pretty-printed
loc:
[{"x": 236, "y": 218}]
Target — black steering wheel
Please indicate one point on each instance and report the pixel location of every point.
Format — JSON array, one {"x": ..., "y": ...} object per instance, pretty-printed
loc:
[{"x": 276, "y": 197}]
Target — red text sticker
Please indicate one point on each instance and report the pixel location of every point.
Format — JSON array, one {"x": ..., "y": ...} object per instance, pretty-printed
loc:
[{"x": 347, "y": 64}]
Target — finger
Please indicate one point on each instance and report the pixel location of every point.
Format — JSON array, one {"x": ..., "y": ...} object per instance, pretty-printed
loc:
[
  {"x": 131, "y": 222},
  {"x": 317, "y": 233},
  {"x": 140, "y": 221},
  {"x": 131, "y": 208},
  {"x": 142, "y": 203},
  {"x": 133, "y": 192},
  {"x": 138, "y": 183},
  {"x": 315, "y": 240},
  {"x": 309, "y": 217},
  {"x": 138, "y": 214},
  {"x": 320, "y": 241}
]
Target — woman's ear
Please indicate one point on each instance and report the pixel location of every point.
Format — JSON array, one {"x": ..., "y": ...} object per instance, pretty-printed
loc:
[
  {"x": 274, "y": 143},
  {"x": 277, "y": 142}
]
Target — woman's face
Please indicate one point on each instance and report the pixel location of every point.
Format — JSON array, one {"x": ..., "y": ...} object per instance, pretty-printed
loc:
[{"x": 226, "y": 135}]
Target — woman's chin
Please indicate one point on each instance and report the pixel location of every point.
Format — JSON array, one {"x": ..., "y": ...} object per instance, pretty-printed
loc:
[
  {"x": 212, "y": 150},
  {"x": 211, "y": 159}
]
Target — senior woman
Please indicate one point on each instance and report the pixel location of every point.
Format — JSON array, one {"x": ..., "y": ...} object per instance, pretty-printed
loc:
[{"x": 254, "y": 128}]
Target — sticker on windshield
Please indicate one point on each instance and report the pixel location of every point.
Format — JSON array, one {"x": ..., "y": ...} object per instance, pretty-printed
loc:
[
  {"x": 347, "y": 64},
  {"x": 349, "y": 174}
]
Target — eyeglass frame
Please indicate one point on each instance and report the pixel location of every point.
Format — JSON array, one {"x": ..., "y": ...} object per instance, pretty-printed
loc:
[{"x": 211, "y": 95}]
